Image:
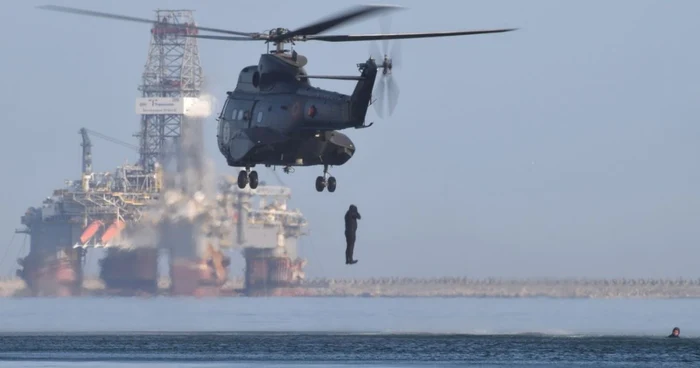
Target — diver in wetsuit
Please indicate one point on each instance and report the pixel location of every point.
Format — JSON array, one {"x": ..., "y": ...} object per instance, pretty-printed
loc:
[
  {"x": 351, "y": 217},
  {"x": 676, "y": 332}
]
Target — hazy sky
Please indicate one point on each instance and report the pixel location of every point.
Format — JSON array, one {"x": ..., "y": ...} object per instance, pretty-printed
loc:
[{"x": 567, "y": 148}]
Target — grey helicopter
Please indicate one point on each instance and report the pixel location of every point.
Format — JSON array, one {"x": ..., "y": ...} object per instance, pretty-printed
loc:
[{"x": 275, "y": 117}]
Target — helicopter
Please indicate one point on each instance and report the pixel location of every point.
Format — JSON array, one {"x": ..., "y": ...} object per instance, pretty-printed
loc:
[{"x": 275, "y": 117}]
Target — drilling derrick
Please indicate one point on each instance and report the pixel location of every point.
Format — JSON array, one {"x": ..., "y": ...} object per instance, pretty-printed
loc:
[
  {"x": 172, "y": 74},
  {"x": 169, "y": 124}
]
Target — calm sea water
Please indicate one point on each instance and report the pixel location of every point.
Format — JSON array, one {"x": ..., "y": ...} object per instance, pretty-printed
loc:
[{"x": 292, "y": 332}]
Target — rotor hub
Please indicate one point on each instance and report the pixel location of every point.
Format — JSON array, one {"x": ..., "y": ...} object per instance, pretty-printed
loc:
[
  {"x": 278, "y": 32},
  {"x": 386, "y": 65}
]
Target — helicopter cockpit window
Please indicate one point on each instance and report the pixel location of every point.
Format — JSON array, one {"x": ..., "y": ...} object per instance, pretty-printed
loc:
[
  {"x": 229, "y": 111},
  {"x": 260, "y": 114},
  {"x": 240, "y": 115},
  {"x": 233, "y": 114},
  {"x": 224, "y": 110}
]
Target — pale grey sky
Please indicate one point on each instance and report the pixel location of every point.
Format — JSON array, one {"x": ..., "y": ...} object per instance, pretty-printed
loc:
[{"x": 567, "y": 148}]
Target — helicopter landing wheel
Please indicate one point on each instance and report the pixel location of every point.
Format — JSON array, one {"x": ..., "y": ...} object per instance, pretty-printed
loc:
[
  {"x": 320, "y": 183},
  {"x": 242, "y": 179},
  {"x": 326, "y": 181},
  {"x": 331, "y": 184},
  {"x": 253, "y": 179}
]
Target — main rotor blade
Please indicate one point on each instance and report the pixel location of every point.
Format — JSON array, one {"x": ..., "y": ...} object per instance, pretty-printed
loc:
[
  {"x": 362, "y": 11},
  {"x": 65, "y": 9},
  {"x": 227, "y": 38},
  {"x": 393, "y": 36}
]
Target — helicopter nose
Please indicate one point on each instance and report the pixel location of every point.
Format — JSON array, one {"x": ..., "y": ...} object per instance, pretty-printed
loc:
[
  {"x": 344, "y": 154},
  {"x": 344, "y": 147},
  {"x": 347, "y": 152},
  {"x": 350, "y": 150}
]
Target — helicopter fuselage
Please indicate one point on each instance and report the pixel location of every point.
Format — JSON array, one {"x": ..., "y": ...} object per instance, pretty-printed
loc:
[{"x": 275, "y": 117}]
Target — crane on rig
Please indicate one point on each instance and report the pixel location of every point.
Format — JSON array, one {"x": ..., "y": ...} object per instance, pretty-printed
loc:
[{"x": 86, "y": 145}]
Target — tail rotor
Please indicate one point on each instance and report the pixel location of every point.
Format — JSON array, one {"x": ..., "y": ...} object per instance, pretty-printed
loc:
[{"x": 386, "y": 92}]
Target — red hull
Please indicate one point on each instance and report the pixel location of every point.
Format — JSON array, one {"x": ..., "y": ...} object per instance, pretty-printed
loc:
[
  {"x": 269, "y": 274},
  {"x": 51, "y": 277},
  {"x": 199, "y": 278}
]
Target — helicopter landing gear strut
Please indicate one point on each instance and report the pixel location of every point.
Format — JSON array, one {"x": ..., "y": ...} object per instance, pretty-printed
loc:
[
  {"x": 247, "y": 177},
  {"x": 325, "y": 181}
]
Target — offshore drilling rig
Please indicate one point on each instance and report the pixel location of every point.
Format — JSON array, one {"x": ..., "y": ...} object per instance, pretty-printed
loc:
[
  {"x": 267, "y": 233},
  {"x": 167, "y": 203}
]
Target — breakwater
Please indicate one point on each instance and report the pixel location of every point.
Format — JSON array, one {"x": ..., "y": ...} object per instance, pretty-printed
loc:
[
  {"x": 451, "y": 287},
  {"x": 524, "y": 288}
]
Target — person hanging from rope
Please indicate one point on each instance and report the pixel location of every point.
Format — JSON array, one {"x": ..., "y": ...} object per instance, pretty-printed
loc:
[{"x": 351, "y": 217}]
